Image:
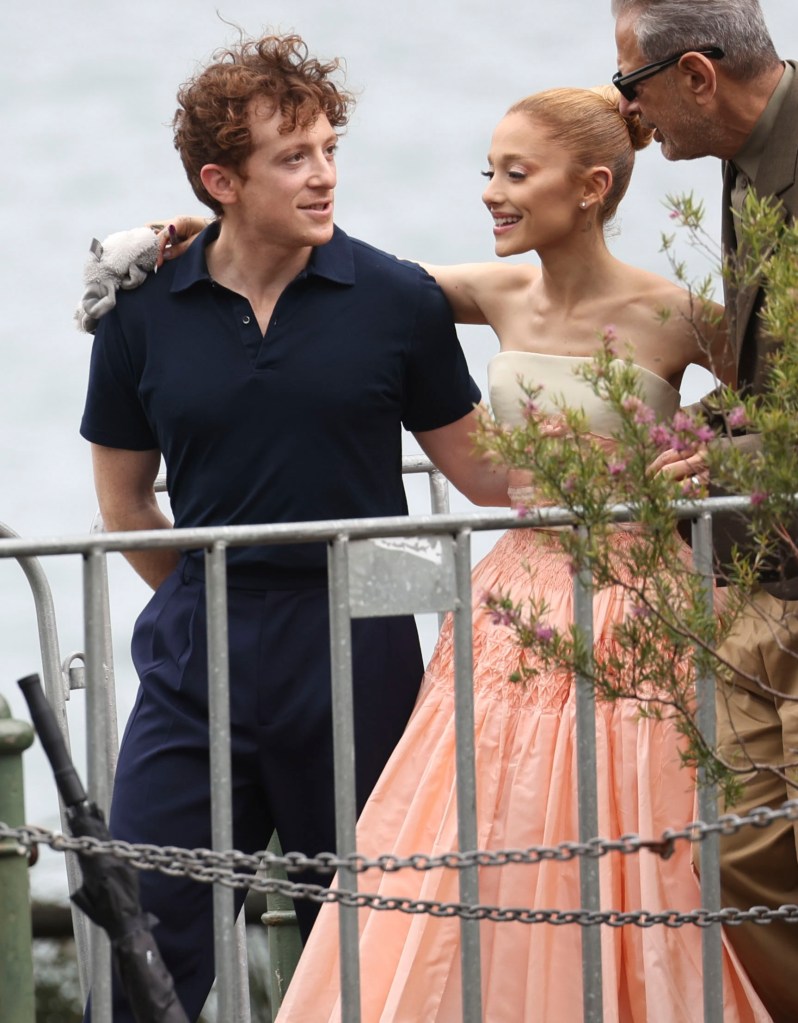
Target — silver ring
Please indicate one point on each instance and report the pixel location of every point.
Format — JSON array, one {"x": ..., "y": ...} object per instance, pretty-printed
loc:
[{"x": 696, "y": 480}]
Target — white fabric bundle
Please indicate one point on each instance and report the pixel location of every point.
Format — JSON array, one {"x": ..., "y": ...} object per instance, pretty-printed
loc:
[{"x": 122, "y": 260}]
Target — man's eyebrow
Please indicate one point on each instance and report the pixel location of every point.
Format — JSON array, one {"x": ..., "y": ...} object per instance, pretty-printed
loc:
[{"x": 289, "y": 145}]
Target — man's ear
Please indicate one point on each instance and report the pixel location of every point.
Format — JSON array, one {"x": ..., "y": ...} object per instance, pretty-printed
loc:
[
  {"x": 701, "y": 76},
  {"x": 220, "y": 183}
]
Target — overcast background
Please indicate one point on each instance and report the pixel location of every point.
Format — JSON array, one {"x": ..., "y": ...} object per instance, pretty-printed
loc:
[{"x": 87, "y": 96}]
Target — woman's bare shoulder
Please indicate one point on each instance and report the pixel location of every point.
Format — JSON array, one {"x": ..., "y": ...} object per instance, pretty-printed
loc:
[
  {"x": 474, "y": 288},
  {"x": 494, "y": 274}
]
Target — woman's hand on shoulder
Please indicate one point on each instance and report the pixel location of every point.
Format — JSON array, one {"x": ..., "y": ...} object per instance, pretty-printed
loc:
[
  {"x": 124, "y": 259},
  {"x": 176, "y": 234}
]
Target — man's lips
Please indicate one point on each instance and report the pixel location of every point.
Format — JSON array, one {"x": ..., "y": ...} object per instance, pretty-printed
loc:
[{"x": 319, "y": 208}]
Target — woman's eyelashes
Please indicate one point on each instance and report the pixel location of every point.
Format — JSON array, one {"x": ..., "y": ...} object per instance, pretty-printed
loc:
[{"x": 512, "y": 175}]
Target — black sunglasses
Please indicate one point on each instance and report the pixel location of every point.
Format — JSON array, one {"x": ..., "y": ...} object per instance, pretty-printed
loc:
[{"x": 627, "y": 84}]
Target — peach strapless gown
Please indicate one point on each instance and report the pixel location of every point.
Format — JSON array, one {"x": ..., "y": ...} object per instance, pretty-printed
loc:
[{"x": 526, "y": 795}]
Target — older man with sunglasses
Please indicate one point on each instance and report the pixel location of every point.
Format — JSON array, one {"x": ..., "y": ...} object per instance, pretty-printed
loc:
[{"x": 706, "y": 76}]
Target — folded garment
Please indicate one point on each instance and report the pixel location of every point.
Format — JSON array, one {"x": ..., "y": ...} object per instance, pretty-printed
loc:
[{"x": 122, "y": 260}]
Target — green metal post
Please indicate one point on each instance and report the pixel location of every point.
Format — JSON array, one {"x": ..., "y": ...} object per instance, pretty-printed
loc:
[
  {"x": 285, "y": 943},
  {"x": 16, "y": 937}
]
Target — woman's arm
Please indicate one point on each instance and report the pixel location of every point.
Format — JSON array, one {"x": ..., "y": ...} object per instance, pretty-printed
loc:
[
  {"x": 473, "y": 290},
  {"x": 706, "y": 321},
  {"x": 460, "y": 286}
]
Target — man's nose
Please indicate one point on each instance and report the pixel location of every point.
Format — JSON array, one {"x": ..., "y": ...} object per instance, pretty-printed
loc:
[
  {"x": 628, "y": 107},
  {"x": 325, "y": 174}
]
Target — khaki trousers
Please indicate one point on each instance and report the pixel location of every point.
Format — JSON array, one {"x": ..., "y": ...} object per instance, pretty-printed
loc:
[{"x": 760, "y": 867}]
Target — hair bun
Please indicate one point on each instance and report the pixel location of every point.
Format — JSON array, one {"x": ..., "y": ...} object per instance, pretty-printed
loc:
[{"x": 640, "y": 135}]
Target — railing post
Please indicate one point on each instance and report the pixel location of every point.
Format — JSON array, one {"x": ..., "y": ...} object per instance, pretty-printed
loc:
[
  {"x": 344, "y": 769},
  {"x": 99, "y": 778},
  {"x": 470, "y": 959},
  {"x": 228, "y": 935},
  {"x": 57, "y": 689},
  {"x": 439, "y": 505},
  {"x": 712, "y": 940},
  {"x": 16, "y": 938},
  {"x": 586, "y": 767},
  {"x": 285, "y": 943}
]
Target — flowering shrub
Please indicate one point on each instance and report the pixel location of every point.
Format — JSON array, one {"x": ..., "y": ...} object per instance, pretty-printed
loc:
[{"x": 670, "y": 631}]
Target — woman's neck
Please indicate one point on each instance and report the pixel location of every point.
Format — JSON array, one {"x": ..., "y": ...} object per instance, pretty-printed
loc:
[{"x": 578, "y": 272}]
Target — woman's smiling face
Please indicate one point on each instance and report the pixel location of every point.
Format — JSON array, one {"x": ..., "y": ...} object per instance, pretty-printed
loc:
[{"x": 534, "y": 190}]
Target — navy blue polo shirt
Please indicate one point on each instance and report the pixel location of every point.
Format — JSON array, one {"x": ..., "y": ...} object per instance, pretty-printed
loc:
[{"x": 300, "y": 424}]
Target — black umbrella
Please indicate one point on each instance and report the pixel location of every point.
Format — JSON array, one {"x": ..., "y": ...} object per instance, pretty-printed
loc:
[{"x": 110, "y": 891}]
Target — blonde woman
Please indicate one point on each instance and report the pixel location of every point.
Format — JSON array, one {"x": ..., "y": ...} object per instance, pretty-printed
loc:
[{"x": 559, "y": 164}]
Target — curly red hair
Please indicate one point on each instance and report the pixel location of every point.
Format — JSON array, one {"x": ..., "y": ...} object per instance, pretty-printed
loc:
[{"x": 212, "y": 123}]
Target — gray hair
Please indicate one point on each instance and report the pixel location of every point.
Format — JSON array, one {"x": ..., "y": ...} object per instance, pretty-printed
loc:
[{"x": 664, "y": 27}]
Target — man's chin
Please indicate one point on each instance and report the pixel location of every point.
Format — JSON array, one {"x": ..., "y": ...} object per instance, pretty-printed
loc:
[
  {"x": 675, "y": 155},
  {"x": 669, "y": 151}
]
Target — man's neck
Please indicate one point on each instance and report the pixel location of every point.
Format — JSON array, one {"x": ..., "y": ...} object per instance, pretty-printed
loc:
[
  {"x": 251, "y": 266},
  {"x": 746, "y": 104}
]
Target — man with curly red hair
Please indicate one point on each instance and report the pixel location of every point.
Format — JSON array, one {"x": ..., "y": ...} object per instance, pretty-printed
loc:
[{"x": 272, "y": 368}]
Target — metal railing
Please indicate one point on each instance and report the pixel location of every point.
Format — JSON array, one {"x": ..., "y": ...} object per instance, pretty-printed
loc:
[{"x": 366, "y": 557}]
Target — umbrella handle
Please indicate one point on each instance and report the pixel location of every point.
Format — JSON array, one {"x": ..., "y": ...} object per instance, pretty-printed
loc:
[{"x": 44, "y": 721}]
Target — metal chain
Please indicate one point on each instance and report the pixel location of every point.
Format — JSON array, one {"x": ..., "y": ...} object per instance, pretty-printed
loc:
[{"x": 242, "y": 870}]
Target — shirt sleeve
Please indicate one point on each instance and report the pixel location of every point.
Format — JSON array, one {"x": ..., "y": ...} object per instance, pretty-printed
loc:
[
  {"x": 438, "y": 387},
  {"x": 113, "y": 414}
]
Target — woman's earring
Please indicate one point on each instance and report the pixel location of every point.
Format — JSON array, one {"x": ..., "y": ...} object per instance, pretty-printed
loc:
[{"x": 583, "y": 204}]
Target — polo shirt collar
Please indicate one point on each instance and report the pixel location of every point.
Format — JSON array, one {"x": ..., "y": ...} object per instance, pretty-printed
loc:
[
  {"x": 192, "y": 266},
  {"x": 335, "y": 261}
]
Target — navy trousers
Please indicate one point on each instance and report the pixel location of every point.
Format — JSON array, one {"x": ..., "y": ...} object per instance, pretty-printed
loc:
[{"x": 282, "y": 762}]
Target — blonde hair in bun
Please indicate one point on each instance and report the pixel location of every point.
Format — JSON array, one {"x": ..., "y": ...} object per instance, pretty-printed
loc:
[
  {"x": 639, "y": 135},
  {"x": 589, "y": 124}
]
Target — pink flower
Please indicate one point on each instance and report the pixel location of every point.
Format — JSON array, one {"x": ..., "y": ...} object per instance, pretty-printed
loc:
[
  {"x": 502, "y": 615},
  {"x": 660, "y": 435},
  {"x": 675, "y": 215},
  {"x": 544, "y": 633},
  {"x": 682, "y": 422},
  {"x": 737, "y": 417},
  {"x": 531, "y": 409},
  {"x": 704, "y": 434},
  {"x": 617, "y": 468},
  {"x": 759, "y": 497},
  {"x": 610, "y": 333},
  {"x": 642, "y": 413}
]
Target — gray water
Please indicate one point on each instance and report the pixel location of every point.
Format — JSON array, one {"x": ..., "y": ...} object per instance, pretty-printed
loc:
[{"x": 87, "y": 95}]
